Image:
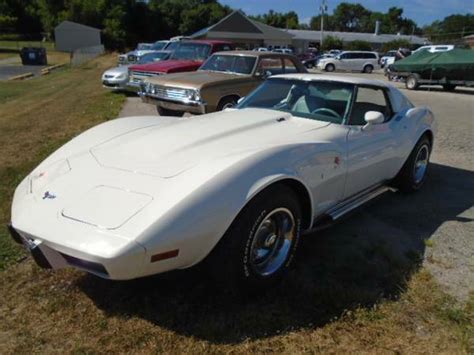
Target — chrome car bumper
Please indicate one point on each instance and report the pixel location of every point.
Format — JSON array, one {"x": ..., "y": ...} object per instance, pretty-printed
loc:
[
  {"x": 114, "y": 84},
  {"x": 189, "y": 106}
]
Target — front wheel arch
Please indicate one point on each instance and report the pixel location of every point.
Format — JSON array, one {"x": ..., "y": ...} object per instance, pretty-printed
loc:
[{"x": 302, "y": 192}]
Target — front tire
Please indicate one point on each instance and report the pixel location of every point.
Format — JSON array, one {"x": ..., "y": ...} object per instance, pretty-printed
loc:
[
  {"x": 227, "y": 102},
  {"x": 330, "y": 68},
  {"x": 368, "y": 69},
  {"x": 413, "y": 174},
  {"x": 259, "y": 246}
]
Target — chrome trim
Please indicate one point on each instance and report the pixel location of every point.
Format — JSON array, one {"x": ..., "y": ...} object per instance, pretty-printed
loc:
[
  {"x": 190, "y": 106},
  {"x": 357, "y": 200}
]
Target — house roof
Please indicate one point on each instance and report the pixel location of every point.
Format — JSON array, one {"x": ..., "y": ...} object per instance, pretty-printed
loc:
[
  {"x": 355, "y": 36},
  {"x": 237, "y": 25},
  {"x": 69, "y": 25}
]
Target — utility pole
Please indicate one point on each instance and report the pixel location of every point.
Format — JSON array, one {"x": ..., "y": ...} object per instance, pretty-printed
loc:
[{"x": 322, "y": 10}]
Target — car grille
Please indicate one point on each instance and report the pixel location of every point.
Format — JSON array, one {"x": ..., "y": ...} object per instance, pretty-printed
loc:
[
  {"x": 138, "y": 76},
  {"x": 170, "y": 93}
]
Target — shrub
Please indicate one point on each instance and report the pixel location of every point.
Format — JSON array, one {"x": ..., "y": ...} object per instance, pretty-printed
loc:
[{"x": 331, "y": 42}]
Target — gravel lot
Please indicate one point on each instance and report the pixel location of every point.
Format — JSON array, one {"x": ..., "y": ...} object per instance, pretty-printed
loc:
[{"x": 435, "y": 225}]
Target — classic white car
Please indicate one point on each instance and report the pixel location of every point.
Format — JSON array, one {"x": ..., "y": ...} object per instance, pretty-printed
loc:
[{"x": 143, "y": 195}]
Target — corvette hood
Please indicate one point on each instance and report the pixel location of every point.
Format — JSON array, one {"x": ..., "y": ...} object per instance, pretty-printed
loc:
[{"x": 168, "y": 149}]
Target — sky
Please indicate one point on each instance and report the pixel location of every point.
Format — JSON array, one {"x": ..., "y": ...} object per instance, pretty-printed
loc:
[{"x": 422, "y": 11}]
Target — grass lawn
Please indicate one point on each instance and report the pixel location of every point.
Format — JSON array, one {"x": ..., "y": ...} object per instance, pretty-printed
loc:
[
  {"x": 39, "y": 115},
  {"x": 345, "y": 295},
  {"x": 17, "y": 45}
]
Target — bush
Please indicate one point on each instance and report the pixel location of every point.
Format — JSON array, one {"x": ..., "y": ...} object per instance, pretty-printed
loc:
[
  {"x": 331, "y": 42},
  {"x": 359, "y": 46},
  {"x": 398, "y": 43}
]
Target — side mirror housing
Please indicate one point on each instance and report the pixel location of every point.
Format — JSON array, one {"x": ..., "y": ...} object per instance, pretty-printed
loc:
[{"x": 372, "y": 118}]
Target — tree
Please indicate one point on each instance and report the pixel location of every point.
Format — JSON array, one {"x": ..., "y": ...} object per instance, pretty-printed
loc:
[
  {"x": 452, "y": 27},
  {"x": 331, "y": 42},
  {"x": 396, "y": 44},
  {"x": 349, "y": 17},
  {"x": 358, "y": 46},
  {"x": 279, "y": 19}
]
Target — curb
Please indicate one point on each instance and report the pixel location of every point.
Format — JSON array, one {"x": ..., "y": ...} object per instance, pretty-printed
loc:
[
  {"x": 47, "y": 70},
  {"x": 21, "y": 76}
]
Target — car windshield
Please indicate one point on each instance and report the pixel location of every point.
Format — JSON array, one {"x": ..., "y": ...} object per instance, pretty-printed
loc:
[
  {"x": 230, "y": 64},
  {"x": 327, "y": 101},
  {"x": 143, "y": 46},
  {"x": 192, "y": 51},
  {"x": 159, "y": 45},
  {"x": 153, "y": 57},
  {"x": 171, "y": 46}
]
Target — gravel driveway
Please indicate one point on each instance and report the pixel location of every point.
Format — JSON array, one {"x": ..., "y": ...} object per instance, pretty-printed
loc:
[{"x": 437, "y": 223}]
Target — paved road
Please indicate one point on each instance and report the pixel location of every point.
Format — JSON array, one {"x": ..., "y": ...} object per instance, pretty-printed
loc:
[
  {"x": 437, "y": 223},
  {"x": 9, "y": 70}
]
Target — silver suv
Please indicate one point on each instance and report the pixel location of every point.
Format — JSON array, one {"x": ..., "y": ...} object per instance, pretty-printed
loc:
[{"x": 360, "y": 61}]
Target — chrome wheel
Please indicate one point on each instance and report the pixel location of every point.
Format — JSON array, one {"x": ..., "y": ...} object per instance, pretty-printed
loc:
[
  {"x": 421, "y": 163},
  {"x": 228, "y": 105},
  {"x": 272, "y": 242}
]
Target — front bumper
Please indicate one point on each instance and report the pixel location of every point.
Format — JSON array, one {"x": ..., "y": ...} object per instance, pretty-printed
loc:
[
  {"x": 51, "y": 256},
  {"x": 191, "y": 106},
  {"x": 114, "y": 84}
]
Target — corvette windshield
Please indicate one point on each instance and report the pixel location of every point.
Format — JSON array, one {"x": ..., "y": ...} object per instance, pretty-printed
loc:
[
  {"x": 229, "y": 64},
  {"x": 192, "y": 51},
  {"x": 318, "y": 100}
]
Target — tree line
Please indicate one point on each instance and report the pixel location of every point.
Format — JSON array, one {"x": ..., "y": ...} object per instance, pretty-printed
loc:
[{"x": 125, "y": 22}]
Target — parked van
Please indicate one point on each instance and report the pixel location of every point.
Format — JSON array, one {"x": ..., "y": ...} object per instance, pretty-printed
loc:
[{"x": 361, "y": 61}]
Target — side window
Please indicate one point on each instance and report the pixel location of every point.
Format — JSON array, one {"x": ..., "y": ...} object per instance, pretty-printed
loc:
[
  {"x": 369, "y": 99},
  {"x": 345, "y": 56},
  {"x": 270, "y": 65},
  {"x": 289, "y": 66},
  {"x": 223, "y": 47}
]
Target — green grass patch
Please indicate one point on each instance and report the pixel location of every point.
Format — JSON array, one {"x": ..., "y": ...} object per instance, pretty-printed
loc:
[
  {"x": 17, "y": 45},
  {"x": 38, "y": 116}
]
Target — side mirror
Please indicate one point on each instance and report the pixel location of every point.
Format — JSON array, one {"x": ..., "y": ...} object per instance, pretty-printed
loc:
[{"x": 372, "y": 118}]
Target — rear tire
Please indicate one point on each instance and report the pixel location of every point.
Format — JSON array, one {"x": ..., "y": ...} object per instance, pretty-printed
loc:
[
  {"x": 330, "y": 68},
  {"x": 166, "y": 112},
  {"x": 413, "y": 174},
  {"x": 259, "y": 246},
  {"x": 368, "y": 69},
  {"x": 449, "y": 87},
  {"x": 412, "y": 82}
]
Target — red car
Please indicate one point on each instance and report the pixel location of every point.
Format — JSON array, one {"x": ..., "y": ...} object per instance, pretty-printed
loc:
[{"x": 188, "y": 56}]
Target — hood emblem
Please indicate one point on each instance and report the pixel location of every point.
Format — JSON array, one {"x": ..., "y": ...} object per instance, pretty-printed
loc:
[{"x": 48, "y": 195}]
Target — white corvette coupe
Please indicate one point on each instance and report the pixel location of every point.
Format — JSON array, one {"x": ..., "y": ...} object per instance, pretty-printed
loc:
[{"x": 143, "y": 195}]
